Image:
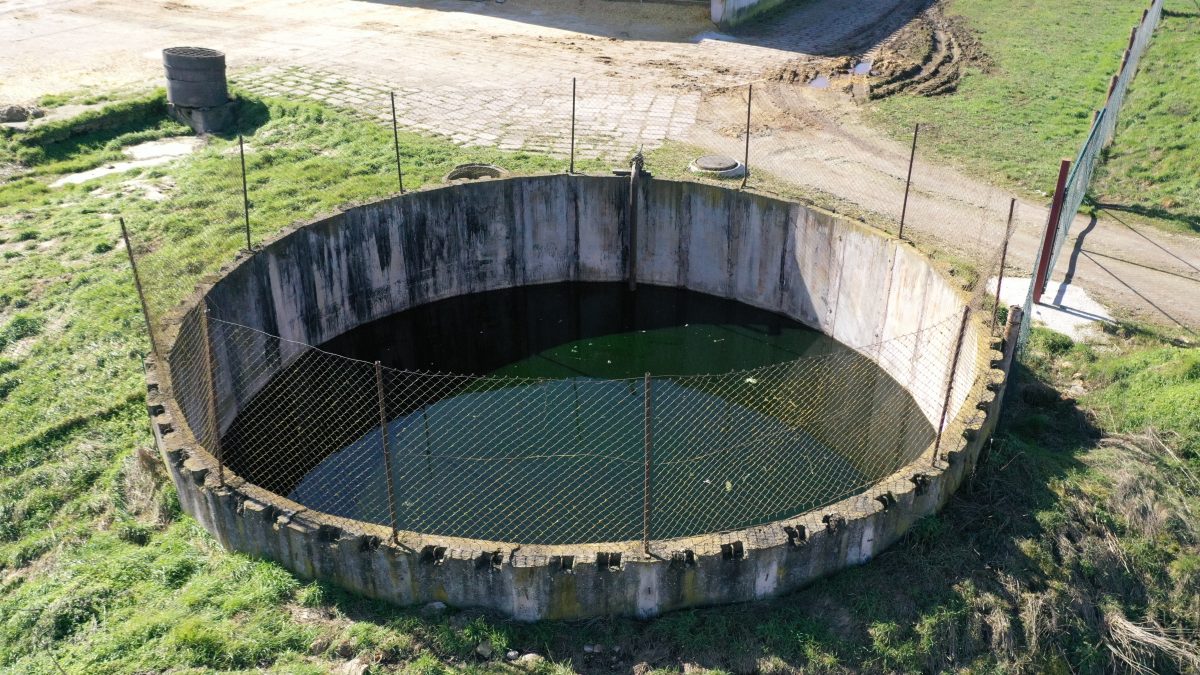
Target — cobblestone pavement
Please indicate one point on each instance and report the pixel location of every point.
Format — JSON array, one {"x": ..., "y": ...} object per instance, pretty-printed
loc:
[{"x": 611, "y": 118}]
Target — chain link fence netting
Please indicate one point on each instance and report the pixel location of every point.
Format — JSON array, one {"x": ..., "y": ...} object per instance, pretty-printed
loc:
[
  {"x": 554, "y": 461},
  {"x": 574, "y": 460},
  {"x": 1100, "y": 135}
]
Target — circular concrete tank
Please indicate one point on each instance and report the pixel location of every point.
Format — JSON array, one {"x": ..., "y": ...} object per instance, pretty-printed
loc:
[{"x": 258, "y": 325}]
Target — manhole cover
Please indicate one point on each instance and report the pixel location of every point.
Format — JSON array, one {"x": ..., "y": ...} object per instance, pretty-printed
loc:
[
  {"x": 717, "y": 166},
  {"x": 715, "y": 163}
]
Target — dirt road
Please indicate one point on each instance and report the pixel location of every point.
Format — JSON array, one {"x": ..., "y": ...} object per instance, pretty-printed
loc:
[{"x": 488, "y": 73}]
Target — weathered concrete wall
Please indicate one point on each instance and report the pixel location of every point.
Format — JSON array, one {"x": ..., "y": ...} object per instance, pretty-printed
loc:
[
  {"x": 336, "y": 273},
  {"x": 731, "y": 13},
  {"x": 371, "y": 261}
]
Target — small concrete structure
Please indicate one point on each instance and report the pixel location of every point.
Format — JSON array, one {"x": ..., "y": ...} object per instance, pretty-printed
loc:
[
  {"x": 335, "y": 273},
  {"x": 197, "y": 93},
  {"x": 731, "y": 13}
]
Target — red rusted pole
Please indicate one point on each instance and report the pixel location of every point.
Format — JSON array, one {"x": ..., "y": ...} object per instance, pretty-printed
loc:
[{"x": 1043, "y": 270}]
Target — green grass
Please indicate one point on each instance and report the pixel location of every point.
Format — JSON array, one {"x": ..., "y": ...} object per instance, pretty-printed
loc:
[
  {"x": 1157, "y": 387},
  {"x": 91, "y": 138},
  {"x": 1073, "y": 522},
  {"x": 302, "y": 159},
  {"x": 1153, "y": 167},
  {"x": 1051, "y": 63}
]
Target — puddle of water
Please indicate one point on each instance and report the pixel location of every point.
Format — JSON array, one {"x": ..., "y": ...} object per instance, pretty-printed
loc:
[
  {"x": 821, "y": 82},
  {"x": 862, "y": 68},
  {"x": 142, "y": 156}
]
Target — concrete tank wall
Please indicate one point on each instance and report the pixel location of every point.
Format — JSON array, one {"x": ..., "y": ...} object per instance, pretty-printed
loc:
[{"x": 369, "y": 261}]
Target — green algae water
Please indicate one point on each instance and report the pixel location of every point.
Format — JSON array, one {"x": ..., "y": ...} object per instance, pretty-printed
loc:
[
  {"x": 525, "y": 416},
  {"x": 596, "y": 330}
]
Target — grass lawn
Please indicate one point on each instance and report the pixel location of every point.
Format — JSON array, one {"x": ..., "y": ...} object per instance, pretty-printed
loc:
[
  {"x": 1051, "y": 63},
  {"x": 1153, "y": 167},
  {"x": 1076, "y": 538}
]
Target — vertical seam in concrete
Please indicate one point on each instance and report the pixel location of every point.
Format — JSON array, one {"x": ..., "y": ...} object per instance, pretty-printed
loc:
[
  {"x": 730, "y": 281},
  {"x": 683, "y": 241},
  {"x": 788, "y": 236},
  {"x": 517, "y": 242},
  {"x": 576, "y": 266},
  {"x": 835, "y": 292},
  {"x": 887, "y": 300}
]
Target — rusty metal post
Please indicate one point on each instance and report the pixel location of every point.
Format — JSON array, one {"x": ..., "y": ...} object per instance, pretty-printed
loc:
[
  {"x": 387, "y": 455},
  {"x": 210, "y": 375},
  {"x": 137, "y": 283},
  {"x": 962, "y": 331},
  {"x": 1043, "y": 270},
  {"x": 572, "y": 169},
  {"x": 396, "y": 143},
  {"x": 912, "y": 156},
  {"x": 245, "y": 191},
  {"x": 746, "y": 156},
  {"x": 1012, "y": 206},
  {"x": 648, "y": 448}
]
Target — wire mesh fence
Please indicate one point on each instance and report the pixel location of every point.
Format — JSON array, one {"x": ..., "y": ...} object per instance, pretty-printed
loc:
[
  {"x": 1070, "y": 198},
  {"x": 586, "y": 126},
  {"x": 572, "y": 460}
]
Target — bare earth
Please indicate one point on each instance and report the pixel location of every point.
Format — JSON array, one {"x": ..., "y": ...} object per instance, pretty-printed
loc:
[{"x": 500, "y": 74}]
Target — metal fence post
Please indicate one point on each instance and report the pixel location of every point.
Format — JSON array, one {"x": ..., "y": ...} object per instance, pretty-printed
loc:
[
  {"x": 648, "y": 450},
  {"x": 635, "y": 177},
  {"x": 245, "y": 190},
  {"x": 387, "y": 455},
  {"x": 137, "y": 283},
  {"x": 746, "y": 156},
  {"x": 962, "y": 331},
  {"x": 210, "y": 377},
  {"x": 428, "y": 454},
  {"x": 1012, "y": 206},
  {"x": 572, "y": 169},
  {"x": 396, "y": 143},
  {"x": 1043, "y": 270},
  {"x": 912, "y": 156}
]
